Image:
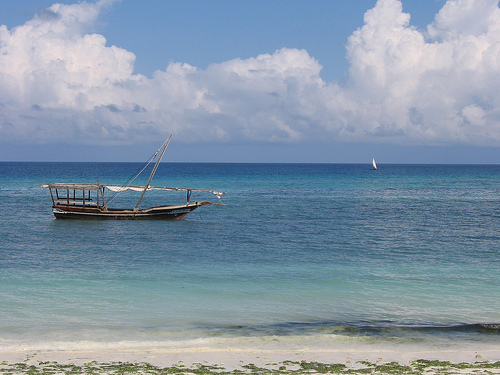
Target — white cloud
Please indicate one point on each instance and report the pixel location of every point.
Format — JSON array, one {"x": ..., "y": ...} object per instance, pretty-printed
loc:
[
  {"x": 59, "y": 82},
  {"x": 418, "y": 89}
]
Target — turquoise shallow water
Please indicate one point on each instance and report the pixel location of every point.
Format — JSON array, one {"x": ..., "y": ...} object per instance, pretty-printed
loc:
[{"x": 411, "y": 252}]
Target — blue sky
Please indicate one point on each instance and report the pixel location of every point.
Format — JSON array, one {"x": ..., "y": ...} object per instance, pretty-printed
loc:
[
  {"x": 205, "y": 32},
  {"x": 284, "y": 81}
]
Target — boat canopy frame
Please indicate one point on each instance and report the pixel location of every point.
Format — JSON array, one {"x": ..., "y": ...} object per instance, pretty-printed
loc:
[{"x": 61, "y": 194}]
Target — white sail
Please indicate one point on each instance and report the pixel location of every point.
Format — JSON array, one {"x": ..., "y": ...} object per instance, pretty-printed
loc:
[{"x": 374, "y": 164}]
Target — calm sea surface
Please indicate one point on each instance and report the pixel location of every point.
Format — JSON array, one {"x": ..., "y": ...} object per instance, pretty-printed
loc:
[{"x": 406, "y": 252}]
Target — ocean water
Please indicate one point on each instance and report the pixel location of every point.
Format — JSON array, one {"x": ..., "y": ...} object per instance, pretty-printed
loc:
[{"x": 300, "y": 251}]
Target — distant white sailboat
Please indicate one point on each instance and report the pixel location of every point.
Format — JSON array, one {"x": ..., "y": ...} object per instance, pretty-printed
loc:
[{"x": 374, "y": 165}]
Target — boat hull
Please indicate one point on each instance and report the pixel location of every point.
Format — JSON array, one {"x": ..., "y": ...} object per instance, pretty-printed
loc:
[{"x": 154, "y": 213}]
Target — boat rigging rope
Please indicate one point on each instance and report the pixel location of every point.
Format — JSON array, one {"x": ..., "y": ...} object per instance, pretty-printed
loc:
[{"x": 137, "y": 174}]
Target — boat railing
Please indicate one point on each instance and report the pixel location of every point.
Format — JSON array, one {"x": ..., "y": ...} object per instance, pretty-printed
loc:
[{"x": 74, "y": 202}]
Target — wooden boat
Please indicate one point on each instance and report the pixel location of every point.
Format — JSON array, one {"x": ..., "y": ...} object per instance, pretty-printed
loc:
[{"x": 88, "y": 201}]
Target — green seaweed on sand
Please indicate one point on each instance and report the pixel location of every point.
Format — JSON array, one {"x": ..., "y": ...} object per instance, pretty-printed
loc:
[
  {"x": 395, "y": 368},
  {"x": 322, "y": 368},
  {"x": 253, "y": 368},
  {"x": 284, "y": 368}
]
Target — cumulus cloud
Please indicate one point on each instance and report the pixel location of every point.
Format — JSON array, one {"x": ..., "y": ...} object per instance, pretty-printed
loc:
[
  {"x": 437, "y": 85},
  {"x": 59, "y": 81}
]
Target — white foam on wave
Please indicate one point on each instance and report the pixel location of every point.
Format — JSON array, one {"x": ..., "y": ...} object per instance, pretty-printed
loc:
[{"x": 289, "y": 342}]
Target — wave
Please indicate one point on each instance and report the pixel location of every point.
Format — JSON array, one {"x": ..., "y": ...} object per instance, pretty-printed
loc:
[{"x": 361, "y": 328}]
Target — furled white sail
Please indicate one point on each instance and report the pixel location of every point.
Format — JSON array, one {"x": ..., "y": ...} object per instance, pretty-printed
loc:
[{"x": 119, "y": 189}]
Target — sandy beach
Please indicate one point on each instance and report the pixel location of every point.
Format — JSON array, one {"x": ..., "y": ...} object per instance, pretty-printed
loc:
[{"x": 268, "y": 355}]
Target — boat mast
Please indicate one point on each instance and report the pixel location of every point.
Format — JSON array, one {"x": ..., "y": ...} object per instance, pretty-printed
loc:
[{"x": 153, "y": 172}]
